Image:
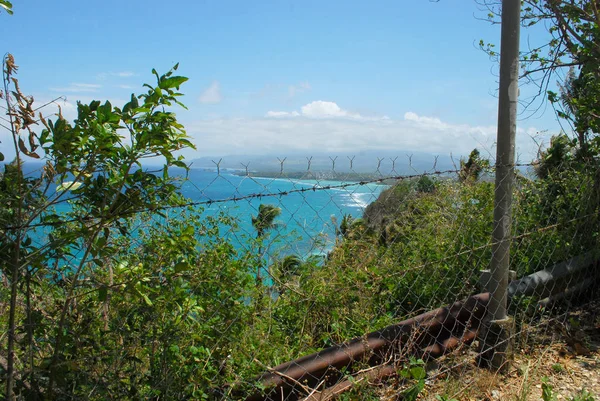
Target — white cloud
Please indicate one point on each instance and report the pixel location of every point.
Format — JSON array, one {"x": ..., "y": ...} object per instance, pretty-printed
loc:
[
  {"x": 120, "y": 74},
  {"x": 302, "y": 87},
  {"x": 281, "y": 132},
  {"x": 124, "y": 74},
  {"x": 276, "y": 114},
  {"x": 77, "y": 88},
  {"x": 454, "y": 129},
  {"x": 320, "y": 109},
  {"x": 212, "y": 94}
]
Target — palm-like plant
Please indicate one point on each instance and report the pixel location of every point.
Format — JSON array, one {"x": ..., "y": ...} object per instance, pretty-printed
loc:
[
  {"x": 262, "y": 223},
  {"x": 289, "y": 266}
]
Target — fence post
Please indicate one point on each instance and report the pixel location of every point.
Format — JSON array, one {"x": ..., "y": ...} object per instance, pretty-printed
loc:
[{"x": 497, "y": 332}]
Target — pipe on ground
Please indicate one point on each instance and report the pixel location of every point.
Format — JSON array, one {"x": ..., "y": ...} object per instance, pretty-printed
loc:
[
  {"x": 382, "y": 372},
  {"x": 426, "y": 335},
  {"x": 557, "y": 278}
]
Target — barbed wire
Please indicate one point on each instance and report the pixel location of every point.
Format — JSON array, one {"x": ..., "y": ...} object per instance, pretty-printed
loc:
[
  {"x": 358, "y": 285},
  {"x": 314, "y": 188}
]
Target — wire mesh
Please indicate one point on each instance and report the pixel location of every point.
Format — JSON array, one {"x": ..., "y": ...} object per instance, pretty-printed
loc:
[{"x": 294, "y": 285}]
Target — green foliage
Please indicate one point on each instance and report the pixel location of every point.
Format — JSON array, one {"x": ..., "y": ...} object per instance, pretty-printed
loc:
[
  {"x": 262, "y": 223},
  {"x": 549, "y": 395},
  {"x": 7, "y": 7},
  {"x": 444, "y": 398},
  {"x": 559, "y": 154},
  {"x": 360, "y": 391},
  {"x": 583, "y": 395},
  {"x": 572, "y": 48},
  {"x": 558, "y": 368},
  {"x": 100, "y": 308},
  {"x": 349, "y": 224},
  {"x": 547, "y": 390},
  {"x": 265, "y": 218},
  {"x": 122, "y": 299},
  {"x": 425, "y": 184},
  {"x": 414, "y": 374},
  {"x": 471, "y": 169},
  {"x": 410, "y": 235},
  {"x": 565, "y": 198},
  {"x": 289, "y": 266}
]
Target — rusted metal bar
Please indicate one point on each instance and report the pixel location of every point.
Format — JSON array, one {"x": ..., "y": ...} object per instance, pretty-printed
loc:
[
  {"x": 411, "y": 336},
  {"x": 428, "y": 335},
  {"x": 375, "y": 375},
  {"x": 379, "y": 373},
  {"x": 449, "y": 344}
]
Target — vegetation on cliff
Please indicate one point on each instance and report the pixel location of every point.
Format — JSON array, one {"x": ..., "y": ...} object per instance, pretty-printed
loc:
[{"x": 124, "y": 298}]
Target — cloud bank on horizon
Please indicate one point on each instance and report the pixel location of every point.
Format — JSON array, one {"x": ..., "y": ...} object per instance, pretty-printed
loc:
[
  {"x": 282, "y": 78},
  {"x": 325, "y": 127}
]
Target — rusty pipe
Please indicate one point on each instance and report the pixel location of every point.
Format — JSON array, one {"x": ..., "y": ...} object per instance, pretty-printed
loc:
[
  {"x": 423, "y": 331},
  {"x": 434, "y": 333},
  {"x": 381, "y": 372}
]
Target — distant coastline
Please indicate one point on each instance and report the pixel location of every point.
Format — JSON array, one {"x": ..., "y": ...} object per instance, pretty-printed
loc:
[{"x": 317, "y": 176}]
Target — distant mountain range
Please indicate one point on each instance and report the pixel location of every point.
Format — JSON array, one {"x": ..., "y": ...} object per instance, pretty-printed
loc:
[
  {"x": 368, "y": 162},
  {"x": 384, "y": 162}
]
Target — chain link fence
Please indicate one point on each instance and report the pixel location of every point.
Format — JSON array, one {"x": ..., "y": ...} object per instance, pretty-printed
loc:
[{"x": 295, "y": 285}]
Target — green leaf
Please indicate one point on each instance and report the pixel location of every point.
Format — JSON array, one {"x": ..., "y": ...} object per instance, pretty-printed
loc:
[
  {"x": 182, "y": 267},
  {"x": 172, "y": 82},
  {"x": 102, "y": 293},
  {"x": 7, "y": 6},
  {"x": 131, "y": 105},
  {"x": 418, "y": 372},
  {"x": 189, "y": 230},
  {"x": 101, "y": 242},
  {"x": 178, "y": 163},
  {"x": 413, "y": 392},
  {"x": 156, "y": 73},
  {"x": 94, "y": 105},
  {"x": 68, "y": 186}
]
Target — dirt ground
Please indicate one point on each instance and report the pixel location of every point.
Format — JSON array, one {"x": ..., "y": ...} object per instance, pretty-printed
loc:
[
  {"x": 560, "y": 354},
  {"x": 557, "y": 353}
]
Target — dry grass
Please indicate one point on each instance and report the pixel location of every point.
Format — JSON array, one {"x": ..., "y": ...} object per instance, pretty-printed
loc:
[{"x": 563, "y": 351}]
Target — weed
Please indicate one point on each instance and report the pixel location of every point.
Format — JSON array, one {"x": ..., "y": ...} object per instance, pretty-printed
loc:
[
  {"x": 415, "y": 374},
  {"x": 583, "y": 395},
  {"x": 558, "y": 368},
  {"x": 547, "y": 390},
  {"x": 444, "y": 398}
]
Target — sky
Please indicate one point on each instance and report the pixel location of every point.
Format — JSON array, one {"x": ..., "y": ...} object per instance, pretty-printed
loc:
[{"x": 278, "y": 77}]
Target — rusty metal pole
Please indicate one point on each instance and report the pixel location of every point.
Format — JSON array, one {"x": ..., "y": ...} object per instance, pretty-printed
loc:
[{"x": 497, "y": 332}]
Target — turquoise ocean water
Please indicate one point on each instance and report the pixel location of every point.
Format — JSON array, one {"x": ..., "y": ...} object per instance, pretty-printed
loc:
[{"x": 308, "y": 219}]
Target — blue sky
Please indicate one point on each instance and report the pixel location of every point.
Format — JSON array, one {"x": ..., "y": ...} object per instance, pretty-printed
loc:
[{"x": 270, "y": 77}]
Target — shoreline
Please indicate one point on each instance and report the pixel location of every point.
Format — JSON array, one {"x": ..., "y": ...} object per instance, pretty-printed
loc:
[{"x": 317, "y": 176}]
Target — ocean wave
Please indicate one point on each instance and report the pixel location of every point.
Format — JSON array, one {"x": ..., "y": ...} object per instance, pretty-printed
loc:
[
  {"x": 358, "y": 200},
  {"x": 288, "y": 180}
]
